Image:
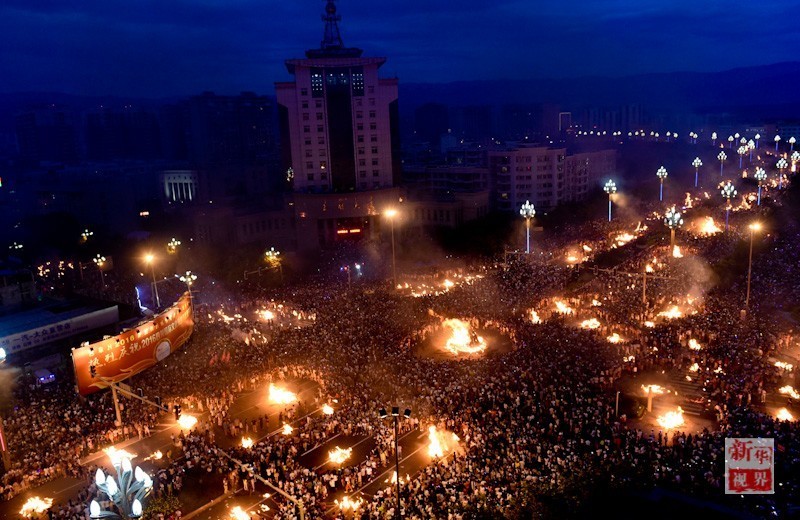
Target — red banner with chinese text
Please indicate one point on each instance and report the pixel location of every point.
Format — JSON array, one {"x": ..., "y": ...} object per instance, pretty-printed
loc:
[{"x": 128, "y": 353}]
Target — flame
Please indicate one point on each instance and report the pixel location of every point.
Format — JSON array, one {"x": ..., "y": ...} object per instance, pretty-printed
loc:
[
  {"x": 327, "y": 409},
  {"x": 649, "y": 269},
  {"x": 535, "y": 317},
  {"x": 614, "y": 338},
  {"x": 267, "y": 315},
  {"x": 790, "y": 391},
  {"x": 237, "y": 513},
  {"x": 708, "y": 227},
  {"x": 563, "y": 308},
  {"x": 462, "y": 340},
  {"x": 587, "y": 249},
  {"x": 338, "y": 455},
  {"x": 591, "y": 323},
  {"x": 393, "y": 478},
  {"x": 671, "y": 420},
  {"x": 653, "y": 389},
  {"x": 348, "y": 505},
  {"x": 187, "y": 422},
  {"x": 448, "y": 284},
  {"x": 687, "y": 203},
  {"x": 784, "y": 415},
  {"x": 596, "y": 303},
  {"x": 672, "y": 313},
  {"x": 157, "y": 455},
  {"x": 287, "y": 429},
  {"x": 785, "y": 366},
  {"x": 440, "y": 443},
  {"x": 694, "y": 368},
  {"x": 35, "y": 506},
  {"x": 572, "y": 259},
  {"x": 628, "y": 359},
  {"x": 623, "y": 238},
  {"x": 116, "y": 455},
  {"x": 649, "y": 324},
  {"x": 694, "y": 345},
  {"x": 281, "y": 395},
  {"x": 247, "y": 442},
  {"x": 676, "y": 252}
]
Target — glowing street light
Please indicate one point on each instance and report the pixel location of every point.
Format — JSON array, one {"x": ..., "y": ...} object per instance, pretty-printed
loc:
[
  {"x": 527, "y": 211},
  {"x": 85, "y": 235},
  {"x": 610, "y": 188},
  {"x": 751, "y": 145},
  {"x": 15, "y": 246},
  {"x": 391, "y": 214},
  {"x": 697, "y": 163},
  {"x": 792, "y": 140},
  {"x": 721, "y": 156},
  {"x": 777, "y": 140},
  {"x": 760, "y": 176},
  {"x": 172, "y": 246},
  {"x": 661, "y": 173},
  {"x": 728, "y": 192},
  {"x": 673, "y": 220},
  {"x": 100, "y": 261},
  {"x": 781, "y": 165},
  {"x": 714, "y": 138},
  {"x": 149, "y": 259},
  {"x": 741, "y": 151},
  {"x": 754, "y": 227},
  {"x": 128, "y": 492}
]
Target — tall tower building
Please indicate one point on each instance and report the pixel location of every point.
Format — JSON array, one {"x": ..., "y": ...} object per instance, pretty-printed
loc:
[{"x": 339, "y": 120}]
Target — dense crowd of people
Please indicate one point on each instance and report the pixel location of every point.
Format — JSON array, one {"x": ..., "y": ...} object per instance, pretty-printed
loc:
[{"x": 538, "y": 426}]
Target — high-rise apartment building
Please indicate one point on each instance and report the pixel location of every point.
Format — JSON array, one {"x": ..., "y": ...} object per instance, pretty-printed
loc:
[{"x": 339, "y": 120}]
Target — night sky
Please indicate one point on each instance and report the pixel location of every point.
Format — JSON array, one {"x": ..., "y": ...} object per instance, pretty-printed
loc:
[{"x": 160, "y": 48}]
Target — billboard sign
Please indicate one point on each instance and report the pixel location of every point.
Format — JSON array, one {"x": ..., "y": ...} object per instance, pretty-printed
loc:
[{"x": 119, "y": 357}]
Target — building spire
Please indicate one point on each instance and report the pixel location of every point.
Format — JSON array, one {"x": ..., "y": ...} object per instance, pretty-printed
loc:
[
  {"x": 332, "y": 44},
  {"x": 332, "y": 39}
]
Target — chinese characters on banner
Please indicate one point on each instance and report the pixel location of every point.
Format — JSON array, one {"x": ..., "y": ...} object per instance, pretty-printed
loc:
[
  {"x": 749, "y": 466},
  {"x": 128, "y": 353}
]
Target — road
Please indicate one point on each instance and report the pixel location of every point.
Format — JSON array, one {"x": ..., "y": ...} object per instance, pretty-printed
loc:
[{"x": 199, "y": 490}]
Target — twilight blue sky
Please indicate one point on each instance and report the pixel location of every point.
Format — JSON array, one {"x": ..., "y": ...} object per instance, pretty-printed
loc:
[{"x": 174, "y": 47}]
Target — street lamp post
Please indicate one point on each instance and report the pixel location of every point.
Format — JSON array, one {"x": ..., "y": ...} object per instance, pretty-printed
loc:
[
  {"x": 728, "y": 192},
  {"x": 189, "y": 279},
  {"x": 610, "y": 188},
  {"x": 391, "y": 214},
  {"x": 85, "y": 235},
  {"x": 673, "y": 220},
  {"x": 150, "y": 260},
  {"x": 396, "y": 418},
  {"x": 127, "y": 492},
  {"x": 751, "y": 145},
  {"x": 730, "y": 142},
  {"x": 273, "y": 258},
  {"x": 527, "y": 211},
  {"x": 757, "y": 138},
  {"x": 781, "y": 165},
  {"x": 100, "y": 261},
  {"x": 756, "y": 226},
  {"x": 741, "y": 150},
  {"x": 721, "y": 156},
  {"x": 697, "y": 163},
  {"x": 792, "y": 140},
  {"x": 172, "y": 245},
  {"x": 713, "y": 138},
  {"x": 777, "y": 140},
  {"x": 759, "y": 176},
  {"x": 661, "y": 173}
]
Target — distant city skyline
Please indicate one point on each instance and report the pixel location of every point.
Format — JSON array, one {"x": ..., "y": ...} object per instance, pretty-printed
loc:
[{"x": 155, "y": 49}]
